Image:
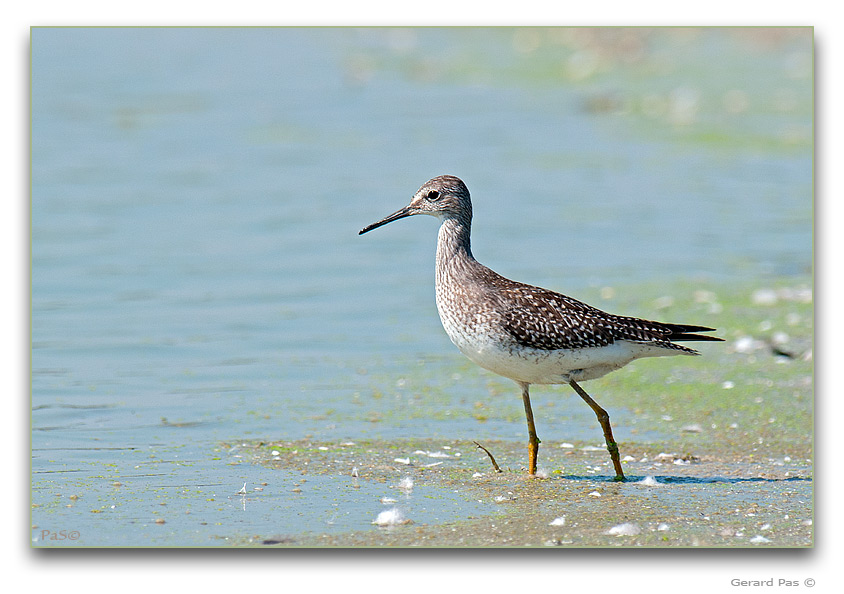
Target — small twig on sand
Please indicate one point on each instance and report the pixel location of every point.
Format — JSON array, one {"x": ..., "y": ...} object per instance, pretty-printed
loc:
[{"x": 494, "y": 464}]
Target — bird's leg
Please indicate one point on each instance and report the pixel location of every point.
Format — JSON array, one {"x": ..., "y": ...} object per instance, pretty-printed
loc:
[
  {"x": 533, "y": 440},
  {"x": 604, "y": 420}
]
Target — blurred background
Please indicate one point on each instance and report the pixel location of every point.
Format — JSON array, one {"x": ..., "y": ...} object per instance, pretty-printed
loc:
[{"x": 197, "y": 193}]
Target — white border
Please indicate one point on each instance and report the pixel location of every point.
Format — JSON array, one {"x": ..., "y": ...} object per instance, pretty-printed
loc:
[{"x": 452, "y": 570}]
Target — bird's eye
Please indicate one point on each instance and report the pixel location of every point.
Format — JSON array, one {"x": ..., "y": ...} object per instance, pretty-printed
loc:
[{"x": 433, "y": 195}]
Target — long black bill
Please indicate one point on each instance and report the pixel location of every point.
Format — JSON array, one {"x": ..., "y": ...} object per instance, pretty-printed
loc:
[{"x": 399, "y": 214}]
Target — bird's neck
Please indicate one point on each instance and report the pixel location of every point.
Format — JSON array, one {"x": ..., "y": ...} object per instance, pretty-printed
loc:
[
  {"x": 453, "y": 246},
  {"x": 454, "y": 239}
]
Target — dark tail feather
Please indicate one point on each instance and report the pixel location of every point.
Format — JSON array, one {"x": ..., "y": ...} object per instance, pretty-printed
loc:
[{"x": 682, "y": 332}]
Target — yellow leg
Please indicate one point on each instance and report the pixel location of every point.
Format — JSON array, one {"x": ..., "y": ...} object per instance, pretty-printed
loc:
[
  {"x": 533, "y": 440},
  {"x": 604, "y": 420}
]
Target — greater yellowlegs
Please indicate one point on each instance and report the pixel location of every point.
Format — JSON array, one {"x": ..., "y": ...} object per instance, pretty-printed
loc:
[{"x": 526, "y": 333}]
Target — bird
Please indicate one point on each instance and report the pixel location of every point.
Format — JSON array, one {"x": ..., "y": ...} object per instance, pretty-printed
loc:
[{"x": 526, "y": 333}]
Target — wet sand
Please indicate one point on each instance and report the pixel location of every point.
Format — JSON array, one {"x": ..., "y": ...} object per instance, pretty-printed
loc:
[{"x": 706, "y": 498}]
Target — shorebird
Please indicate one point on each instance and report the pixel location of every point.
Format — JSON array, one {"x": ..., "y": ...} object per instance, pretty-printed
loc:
[{"x": 522, "y": 332}]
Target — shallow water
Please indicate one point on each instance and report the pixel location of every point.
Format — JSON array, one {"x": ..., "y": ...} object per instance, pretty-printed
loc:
[
  {"x": 196, "y": 195},
  {"x": 159, "y": 496}
]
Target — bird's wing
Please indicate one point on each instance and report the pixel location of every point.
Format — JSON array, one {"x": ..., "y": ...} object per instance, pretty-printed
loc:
[{"x": 542, "y": 319}]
